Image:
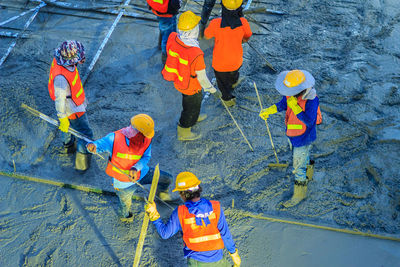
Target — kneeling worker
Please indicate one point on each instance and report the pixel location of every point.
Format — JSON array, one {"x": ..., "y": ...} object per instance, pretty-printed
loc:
[
  {"x": 202, "y": 222},
  {"x": 301, "y": 103},
  {"x": 130, "y": 152}
]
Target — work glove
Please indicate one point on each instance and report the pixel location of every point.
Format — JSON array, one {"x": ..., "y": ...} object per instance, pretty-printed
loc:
[
  {"x": 210, "y": 89},
  {"x": 292, "y": 104},
  {"x": 91, "y": 148},
  {"x": 151, "y": 210},
  {"x": 64, "y": 124},
  {"x": 133, "y": 175},
  {"x": 236, "y": 259},
  {"x": 264, "y": 114}
]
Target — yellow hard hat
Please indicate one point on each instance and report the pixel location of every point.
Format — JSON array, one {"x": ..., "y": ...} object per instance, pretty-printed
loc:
[
  {"x": 144, "y": 124},
  {"x": 185, "y": 181},
  {"x": 188, "y": 20},
  {"x": 294, "y": 78},
  {"x": 232, "y": 4}
]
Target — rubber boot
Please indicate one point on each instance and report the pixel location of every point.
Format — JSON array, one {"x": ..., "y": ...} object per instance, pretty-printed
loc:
[
  {"x": 230, "y": 103},
  {"x": 82, "y": 161},
  {"x": 310, "y": 170},
  {"x": 70, "y": 148},
  {"x": 299, "y": 193},
  {"x": 185, "y": 134},
  {"x": 202, "y": 117}
]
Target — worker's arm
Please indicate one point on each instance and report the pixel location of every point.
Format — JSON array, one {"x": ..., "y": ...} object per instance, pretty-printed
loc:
[
  {"x": 247, "y": 30},
  {"x": 309, "y": 115},
  {"x": 204, "y": 81},
  {"x": 170, "y": 228},
  {"x": 281, "y": 105},
  {"x": 226, "y": 234},
  {"x": 209, "y": 31},
  {"x": 104, "y": 144},
  {"x": 60, "y": 91},
  {"x": 144, "y": 160}
]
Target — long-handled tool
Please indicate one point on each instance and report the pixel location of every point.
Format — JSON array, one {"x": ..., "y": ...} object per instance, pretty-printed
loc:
[
  {"x": 143, "y": 231},
  {"x": 262, "y": 56},
  {"x": 83, "y": 137},
  {"x": 277, "y": 164},
  {"x": 237, "y": 125}
]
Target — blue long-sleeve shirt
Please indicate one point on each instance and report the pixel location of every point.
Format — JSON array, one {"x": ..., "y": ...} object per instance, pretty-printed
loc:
[
  {"x": 173, "y": 226},
  {"x": 106, "y": 144},
  {"x": 308, "y": 117}
]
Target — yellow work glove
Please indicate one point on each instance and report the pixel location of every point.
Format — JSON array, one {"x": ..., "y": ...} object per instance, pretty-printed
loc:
[
  {"x": 151, "y": 209},
  {"x": 292, "y": 104},
  {"x": 236, "y": 259},
  {"x": 64, "y": 124},
  {"x": 264, "y": 114}
]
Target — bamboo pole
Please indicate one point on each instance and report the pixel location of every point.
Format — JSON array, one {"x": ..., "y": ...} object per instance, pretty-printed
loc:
[
  {"x": 143, "y": 231},
  {"x": 96, "y": 57},
  {"x": 25, "y": 27}
]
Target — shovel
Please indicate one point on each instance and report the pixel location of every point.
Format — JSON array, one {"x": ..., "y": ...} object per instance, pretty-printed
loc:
[{"x": 277, "y": 164}]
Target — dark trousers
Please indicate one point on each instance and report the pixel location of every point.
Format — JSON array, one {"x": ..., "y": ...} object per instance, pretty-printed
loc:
[
  {"x": 80, "y": 124},
  {"x": 225, "y": 81},
  {"x": 191, "y": 105},
  {"x": 206, "y": 11}
]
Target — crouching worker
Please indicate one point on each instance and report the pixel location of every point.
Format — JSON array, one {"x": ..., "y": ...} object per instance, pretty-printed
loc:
[
  {"x": 202, "y": 222},
  {"x": 130, "y": 152},
  {"x": 302, "y": 115},
  {"x": 66, "y": 90}
]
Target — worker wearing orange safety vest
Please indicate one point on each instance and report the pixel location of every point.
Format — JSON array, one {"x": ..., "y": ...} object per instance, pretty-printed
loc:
[
  {"x": 166, "y": 11},
  {"x": 301, "y": 103},
  {"x": 65, "y": 88},
  {"x": 130, "y": 152},
  {"x": 186, "y": 68},
  {"x": 202, "y": 223},
  {"x": 229, "y": 32}
]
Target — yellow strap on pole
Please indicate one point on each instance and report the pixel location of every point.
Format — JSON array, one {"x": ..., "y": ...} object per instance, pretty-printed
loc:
[
  {"x": 266, "y": 124},
  {"x": 237, "y": 125},
  {"x": 146, "y": 219}
]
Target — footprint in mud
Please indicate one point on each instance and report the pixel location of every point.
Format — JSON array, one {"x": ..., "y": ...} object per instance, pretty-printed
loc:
[{"x": 65, "y": 207}]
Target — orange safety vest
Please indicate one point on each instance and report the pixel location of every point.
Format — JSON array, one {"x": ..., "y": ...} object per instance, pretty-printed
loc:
[
  {"x": 159, "y": 7},
  {"x": 178, "y": 65},
  {"x": 74, "y": 81},
  {"x": 294, "y": 126},
  {"x": 124, "y": 156},
  {"x": 201, "y": 238}
]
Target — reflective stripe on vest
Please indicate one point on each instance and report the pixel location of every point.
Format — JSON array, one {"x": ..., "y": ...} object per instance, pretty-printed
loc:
[
  {"x": 175, "y": 54},
  {"x": 158, "y": 1},
  {"x": 205, "y": 238},
  {"x": 294, "y": 126},
  {"x": 175, "y": 71},
  {"x": 128, "y": 156},
  {"x": 120, "y": 171},
  {"x": 192, "y": 221}
]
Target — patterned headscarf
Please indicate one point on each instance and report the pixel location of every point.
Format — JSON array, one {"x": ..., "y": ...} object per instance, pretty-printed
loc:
[{"x": 69, "y": 53}]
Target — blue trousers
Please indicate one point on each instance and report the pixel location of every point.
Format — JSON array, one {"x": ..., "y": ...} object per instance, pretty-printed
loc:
[
  {"x": 125, "y": 194},
  {"x": 80, "y": 124},
  {"x": 166, "y": 26},
  {"x": 301, "y": 157},
  {"x": 206, "y": 11}
]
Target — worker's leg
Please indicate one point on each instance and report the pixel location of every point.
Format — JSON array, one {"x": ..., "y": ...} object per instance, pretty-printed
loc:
[
  {"x": 166, "y": 26},
  {"x": 194, "y": 263},
  {"x": 301, "y": 157},
  {"x": 163, "y": 182},
  {"x": 125, "y": 200},
  {"x": 81, "y": 124},
  {"x": 206, "y": 11},
  {"x": 191, "y": 105},
  {"x": 224, "y": 81}
]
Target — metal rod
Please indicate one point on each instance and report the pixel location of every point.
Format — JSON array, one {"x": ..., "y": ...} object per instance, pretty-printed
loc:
[
  {"x": 261, "y": 55},
  {"x": 237, "y": 125},
  {"x": 146, "y": 219},
  {"x": 266, "y": 124},
  {"x": 25, "y": 27},
  {"x": 96, "y": 57}
]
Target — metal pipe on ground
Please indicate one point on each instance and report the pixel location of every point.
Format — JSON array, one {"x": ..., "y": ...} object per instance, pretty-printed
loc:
[
  {"x": 18, "y": 34},
  {"x": 277, "y": 164}
]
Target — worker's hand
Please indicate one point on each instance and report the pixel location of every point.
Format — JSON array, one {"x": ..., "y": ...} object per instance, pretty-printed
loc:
[
  {"x": 211, "y": 89},
  {"x": 133, "y": 174},
  {"x": 91, "y": 148},
  {"x": 151, "y": 210},
  {"x": 264, "y": 114},
  {"x": 64, "y": 124},
  {"x": 292, "y": 104},
  {"x": 236, "y": 259}
]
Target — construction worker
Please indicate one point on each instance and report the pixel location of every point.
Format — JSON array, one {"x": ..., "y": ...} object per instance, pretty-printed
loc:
[
  {"x": 130, "y": 151},
  {"x": 202, "y": 223},
  {"x": 186, "y": 68},
  {"x": 229, "y": 31},
  {"x": 302, "y": 115},
  {"x": 166, "y": 11},
  {"x": 65, "y": 88}
]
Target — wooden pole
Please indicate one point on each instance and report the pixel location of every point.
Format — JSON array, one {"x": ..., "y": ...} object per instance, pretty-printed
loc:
[{"x": 146, "y": 219}]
